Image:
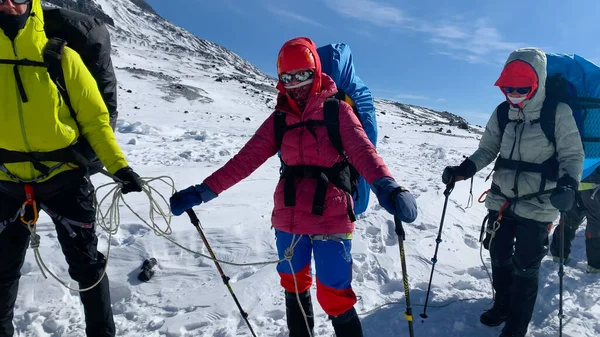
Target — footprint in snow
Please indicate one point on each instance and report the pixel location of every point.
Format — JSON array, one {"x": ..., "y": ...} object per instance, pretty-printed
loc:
[{"x": 471, "y": 241}]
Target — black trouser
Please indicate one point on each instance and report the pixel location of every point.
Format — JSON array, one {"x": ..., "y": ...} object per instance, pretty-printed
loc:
[
  {"x": 517, "y": 251},
  {"x": 590, "y": 208},
  {"x": 72, "y": 196}
]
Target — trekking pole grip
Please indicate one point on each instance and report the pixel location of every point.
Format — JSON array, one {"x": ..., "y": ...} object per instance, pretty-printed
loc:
[
  {"x": 449, "y": 188},
  {"x": 399, "y": 229},
  {"x": 193, "y": 217}
]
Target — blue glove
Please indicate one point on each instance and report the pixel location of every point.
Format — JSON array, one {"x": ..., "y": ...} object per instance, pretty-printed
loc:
[
  {"x": 403, "y": 205},
  {"x": 190, "y": 197}
]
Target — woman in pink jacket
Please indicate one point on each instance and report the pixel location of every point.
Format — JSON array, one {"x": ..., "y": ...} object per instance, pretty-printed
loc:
[{"x": 312, "y": 202}]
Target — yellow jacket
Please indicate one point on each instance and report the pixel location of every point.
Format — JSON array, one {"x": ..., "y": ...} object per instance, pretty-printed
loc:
[{"x": 44, "y": 123}]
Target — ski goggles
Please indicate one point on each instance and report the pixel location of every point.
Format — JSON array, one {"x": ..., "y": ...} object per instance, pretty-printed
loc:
[
  {"x": 300, "y": 76},
  {"x": 520, "y": 91},
  {"x": 18, "y": 2}
]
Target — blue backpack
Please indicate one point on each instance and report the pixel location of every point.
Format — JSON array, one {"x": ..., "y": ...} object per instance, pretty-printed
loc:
[
  {"x": 575, "y": 81},
  {"x": 336, "y": 61},
  {"x": 583, "y": 89}
]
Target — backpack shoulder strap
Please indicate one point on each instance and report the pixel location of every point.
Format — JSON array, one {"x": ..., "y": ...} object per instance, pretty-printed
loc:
[
  {"x": 502, "y": 115},
  {"x": 341, "y": 95},
  {"x": 280, "y": 128},
  {"x": 53, "y": 54},
  {"x": 548, "y": 119},
  {"x": 331, "y": 112}
]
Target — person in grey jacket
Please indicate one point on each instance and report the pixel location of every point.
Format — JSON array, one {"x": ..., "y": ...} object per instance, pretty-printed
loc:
[{"x": 524, "y": 199}]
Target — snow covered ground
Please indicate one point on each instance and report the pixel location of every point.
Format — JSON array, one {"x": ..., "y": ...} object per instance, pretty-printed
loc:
[{"x": 177, "y": 120}]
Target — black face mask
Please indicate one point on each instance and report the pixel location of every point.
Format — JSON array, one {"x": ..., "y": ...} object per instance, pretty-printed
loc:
[{"x": 11, "y": 24}]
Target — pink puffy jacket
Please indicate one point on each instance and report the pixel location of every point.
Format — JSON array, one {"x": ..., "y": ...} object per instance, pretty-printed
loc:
[{"x": 299, "y": 147}]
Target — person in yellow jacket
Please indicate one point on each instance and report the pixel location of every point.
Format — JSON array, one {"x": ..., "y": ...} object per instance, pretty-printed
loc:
[{"x": 38, "y": 165}]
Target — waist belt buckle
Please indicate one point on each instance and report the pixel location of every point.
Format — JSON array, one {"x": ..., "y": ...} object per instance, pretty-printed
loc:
[{"x": 319, "y": 237}]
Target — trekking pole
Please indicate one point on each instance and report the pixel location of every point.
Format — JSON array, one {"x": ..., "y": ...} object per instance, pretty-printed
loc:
[
  {"x": 561, "y": 271},
  {"x": 196, "y": 222},
  {"x": 401, "y": 238},
  {"x": 438, "y": 240}
]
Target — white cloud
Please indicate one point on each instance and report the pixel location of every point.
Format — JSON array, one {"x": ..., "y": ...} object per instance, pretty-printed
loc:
[
  {"x": 474, "y": 41},
  {"x": 294, "y": 16},
  {"x": 412, "y": 96},
  {"x": 376, "y": 13}
]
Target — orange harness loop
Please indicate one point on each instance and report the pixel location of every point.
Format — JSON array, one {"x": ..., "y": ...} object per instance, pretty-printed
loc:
[
  {"x": 481, "y": 200},
  {"x": 29, "y": 201}
]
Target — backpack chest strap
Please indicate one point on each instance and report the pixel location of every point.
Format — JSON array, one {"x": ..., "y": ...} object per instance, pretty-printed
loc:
[{"x": 339, "y": 175}]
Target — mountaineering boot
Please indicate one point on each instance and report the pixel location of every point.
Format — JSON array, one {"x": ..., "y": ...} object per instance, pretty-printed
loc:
[
  {"x": 347, "y": 324},
  {"x": 495, "y": 316},
  {"x": 295, "y": 318}
]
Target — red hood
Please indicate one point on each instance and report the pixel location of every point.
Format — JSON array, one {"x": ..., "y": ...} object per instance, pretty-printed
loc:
[
  {"x": 518, "y": 74},
  {"x": 316, "y": 85}
]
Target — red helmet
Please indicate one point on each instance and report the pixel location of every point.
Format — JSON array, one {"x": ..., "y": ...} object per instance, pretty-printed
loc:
[{"x": 295, "y": 57}]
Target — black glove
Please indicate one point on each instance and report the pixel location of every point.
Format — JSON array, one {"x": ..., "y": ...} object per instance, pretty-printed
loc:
[
  {"x": 466, "y": 170},
  {"x": 563, "y": 196},
  {"x": 131, "y": 181}
]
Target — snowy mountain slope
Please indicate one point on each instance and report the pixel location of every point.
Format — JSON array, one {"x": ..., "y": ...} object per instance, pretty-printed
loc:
[
  {"x": 182, "y": 117},
  {"x": 134, "y": 23}
]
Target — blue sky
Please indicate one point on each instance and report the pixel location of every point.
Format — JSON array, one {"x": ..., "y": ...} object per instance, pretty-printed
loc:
[{"x": 441, "y": 54}]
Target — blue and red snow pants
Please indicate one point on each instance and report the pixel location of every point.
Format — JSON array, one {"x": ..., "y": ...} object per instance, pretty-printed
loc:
[{"x": 333, "y": 264}]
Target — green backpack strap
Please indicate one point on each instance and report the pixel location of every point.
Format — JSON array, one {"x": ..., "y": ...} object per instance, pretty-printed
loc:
[{"x": 53, "y": 54}]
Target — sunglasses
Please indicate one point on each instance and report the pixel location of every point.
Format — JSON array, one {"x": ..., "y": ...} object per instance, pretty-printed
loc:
[
  {"x": 300, "y": 76},
  {"x": 521, "y": 91},
  {"x": 18, "y": 2}
]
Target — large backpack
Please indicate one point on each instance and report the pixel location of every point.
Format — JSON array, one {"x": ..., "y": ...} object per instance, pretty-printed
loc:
[
  {"x": 90, "y": 38},
  {"x": 575, "y": 81},
  {"x": 336, "y": 61}
]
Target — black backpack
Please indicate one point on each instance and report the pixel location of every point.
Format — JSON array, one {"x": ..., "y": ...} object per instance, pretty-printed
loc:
[
  {"x": 90, "y": 38},
  {"x": 343, "y": 175}
]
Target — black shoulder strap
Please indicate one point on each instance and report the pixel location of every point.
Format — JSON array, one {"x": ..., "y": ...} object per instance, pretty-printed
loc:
[
  {"x": 331, "y": 112},
  {"x": 53, "y": 54},
  {"x": 280, "y": 128},
  {"x": 341, "y": 95},
  {"x": 502, "y": 115},
  {"x": 548, "y": 119}
]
